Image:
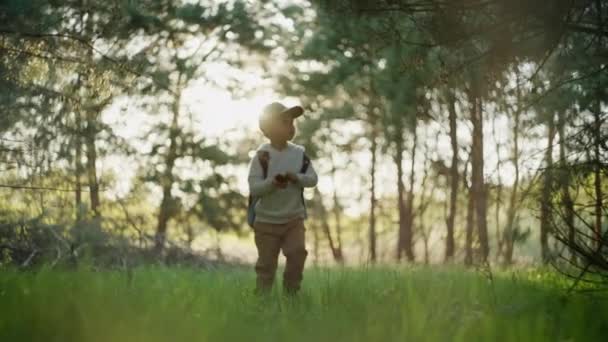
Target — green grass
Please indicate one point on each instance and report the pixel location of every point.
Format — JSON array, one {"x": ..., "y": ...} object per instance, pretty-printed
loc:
[{"x": 415, "y": 304}]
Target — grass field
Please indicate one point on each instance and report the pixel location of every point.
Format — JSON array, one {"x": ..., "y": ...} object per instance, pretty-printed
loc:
[{"x": 382, "y": 304}]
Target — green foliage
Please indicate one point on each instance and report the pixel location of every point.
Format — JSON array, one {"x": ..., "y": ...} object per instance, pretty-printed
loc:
[{"x": 378, "y": 66}]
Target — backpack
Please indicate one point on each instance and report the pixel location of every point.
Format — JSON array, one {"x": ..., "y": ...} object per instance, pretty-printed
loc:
[{"x": 264, "y": 157}]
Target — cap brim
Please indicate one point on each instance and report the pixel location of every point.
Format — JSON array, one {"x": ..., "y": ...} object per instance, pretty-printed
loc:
[{"x": 294, "y": 112}]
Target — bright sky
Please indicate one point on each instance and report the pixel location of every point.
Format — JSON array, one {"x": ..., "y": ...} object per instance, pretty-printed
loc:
[{"x": 214, "y": 111}]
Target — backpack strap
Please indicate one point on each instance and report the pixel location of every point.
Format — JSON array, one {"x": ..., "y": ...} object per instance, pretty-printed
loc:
[
  {"x": 305, "y": 163},
  {"x": 264, "y": 157}
]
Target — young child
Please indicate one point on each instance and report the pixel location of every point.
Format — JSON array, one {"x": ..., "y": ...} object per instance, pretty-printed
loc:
[{"x": 277, "y": 175}]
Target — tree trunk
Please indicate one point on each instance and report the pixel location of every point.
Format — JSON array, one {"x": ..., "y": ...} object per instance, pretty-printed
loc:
[
  {"x": 510, "y": 232},
  {"x": 165, "y": 211},
  {"x": 567, "y": 202},
  {"x": 545, "y": 211},
  {"x": 315, "y": 235},
  {"x": 597, "y": 135},
  {"x": 449, "y": 242},
  {"x": 337, "y": 210},
  {"x": 336, "y": 253},
  {"x": 478, "y": 186},
  {"x": 372, "y": 211},
  {"x": 470, "y": 225},
  {"x": 409, "y": 209},
  {"x": 499, "y": 186},
  {"x": 470, "y": 217},
  {"x": 90, "y": 131},
  {"x": 400, "y": 195},
  {"x": 426, "y": 244},
  {"x": 78, "y": 166},
  {"x": 90, "y": 138},
  {"x": 190, "y": 236},
  {"x": 425, "y": 200}
]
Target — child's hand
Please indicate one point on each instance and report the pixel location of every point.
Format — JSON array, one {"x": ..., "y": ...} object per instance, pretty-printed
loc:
[
  {"x": 290, "y": 176},
  {"x": 280, "y": 181}
]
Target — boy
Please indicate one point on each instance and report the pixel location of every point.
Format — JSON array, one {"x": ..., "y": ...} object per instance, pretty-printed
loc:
[{"x": 277, "y": 175}]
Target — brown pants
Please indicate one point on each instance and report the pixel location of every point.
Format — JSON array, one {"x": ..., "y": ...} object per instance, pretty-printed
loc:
[{"x": 269, "y": 240}]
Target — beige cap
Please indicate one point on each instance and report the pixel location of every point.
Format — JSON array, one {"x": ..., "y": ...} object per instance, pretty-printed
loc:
[{"x": 275, "y": 110}]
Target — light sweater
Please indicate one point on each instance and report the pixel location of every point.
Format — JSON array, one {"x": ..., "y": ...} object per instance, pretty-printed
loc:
[{"x": 276, "y": 205}]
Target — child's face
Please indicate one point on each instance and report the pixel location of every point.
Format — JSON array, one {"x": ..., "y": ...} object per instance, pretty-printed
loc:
[{"x": 282, "y": 129}]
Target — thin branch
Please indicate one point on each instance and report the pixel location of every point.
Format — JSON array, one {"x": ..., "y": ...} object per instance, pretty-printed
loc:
[
  {"x": 587, "y": 29},
  {"x": 80, "y": 40},
  {"x": 90, "y": 46},
  {"x": 43, "y": 56},
  {"x": 560, "y": 84},
  {"x": 25, "y": 187},
  {"x": 27, "y": 261}
]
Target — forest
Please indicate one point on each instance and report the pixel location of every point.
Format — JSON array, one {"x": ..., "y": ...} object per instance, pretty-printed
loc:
[{"x": 461, "y": 149}]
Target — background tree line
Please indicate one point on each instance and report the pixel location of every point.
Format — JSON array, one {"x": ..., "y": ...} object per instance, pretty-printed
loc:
[{"x": 462, "y": 131}]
